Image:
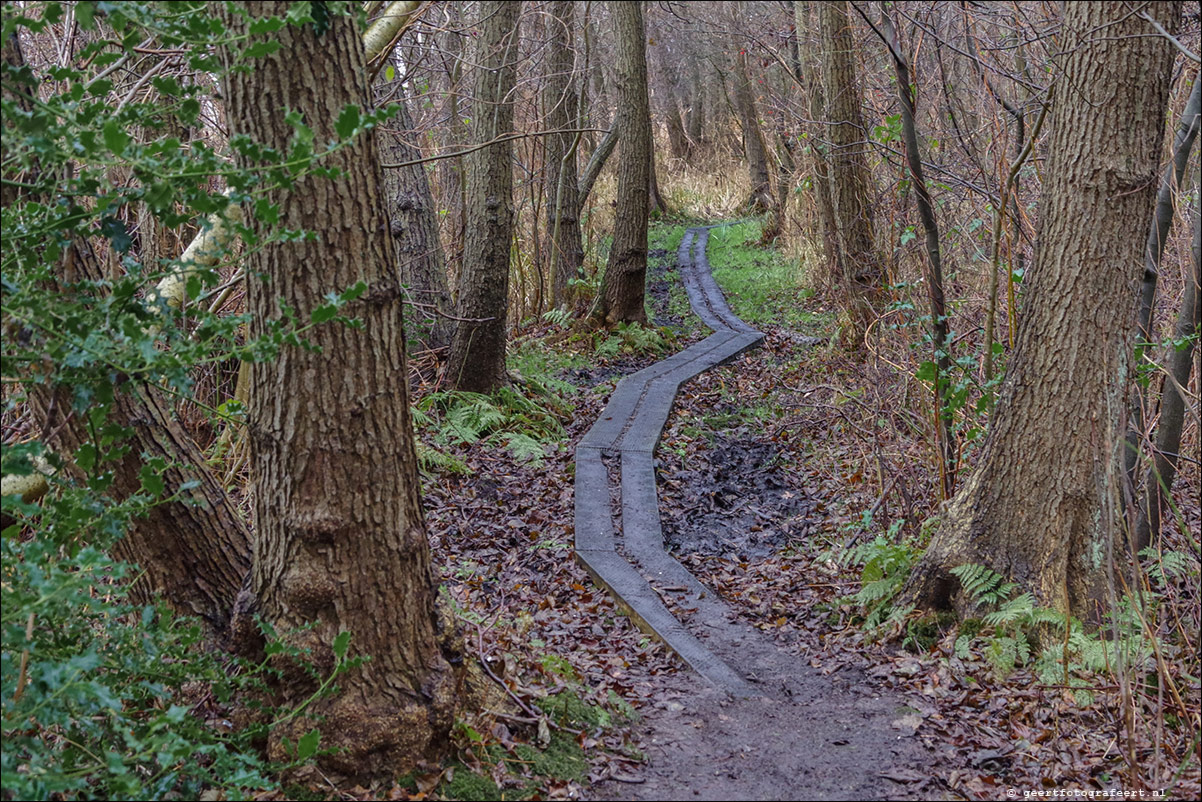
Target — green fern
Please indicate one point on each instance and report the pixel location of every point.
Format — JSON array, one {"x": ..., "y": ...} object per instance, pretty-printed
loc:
[
  {"x": 1015, "y": 611},
  {"x": 472, "y": 416},
  {"x": 431, "y": 460},
  {"x": 1164, "y": 568},
  {"x": 983, "y": 585},
  {"x": 524, "y": 448},
  {"x": 886, "y": 567},
  {"x": 558, "y": 317}
]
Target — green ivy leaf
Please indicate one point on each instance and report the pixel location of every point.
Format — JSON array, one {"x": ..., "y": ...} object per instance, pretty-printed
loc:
[
  {"x": 115, "y": 138},
  {"x": 348, "y": 122},
  {"x": 306, "y": 747},
  {"x": 323, "y": 313},
  {"x": 342, "y": 642}
]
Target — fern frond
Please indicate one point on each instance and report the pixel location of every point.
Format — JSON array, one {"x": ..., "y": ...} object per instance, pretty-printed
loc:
[
  {"x": 524, "y": 448},
  {"x": 1016, "y": 610},
  {"x": 982, "y": 584}
]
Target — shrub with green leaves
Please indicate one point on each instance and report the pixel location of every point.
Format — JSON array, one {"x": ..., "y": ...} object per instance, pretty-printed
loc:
[{"x": 103, "y": 697}]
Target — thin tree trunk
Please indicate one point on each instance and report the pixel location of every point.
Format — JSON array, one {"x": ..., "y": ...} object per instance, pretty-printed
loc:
[
  {"x": 656, "y": 202},
  {"x": 695, "y": 114},
  {"x": 596, "y": 162},
  {"x": 1158, "y": 235},
  {"x": 850, "y": 181},
  {"x": 340, "y": 540},
  {"x": 816, "y": 137},
  {"x": 414, "y": 224},
  {"x": 477, "y": 361},
  {"x": 621, "y": 296},
  {"x": 760, "y": 198},
  {"x": 1159, "y": 483},
  {"x": 1041, "y": 508},
  {"x": 563, "y": 207},
  {"x": 941, "y": 345}
]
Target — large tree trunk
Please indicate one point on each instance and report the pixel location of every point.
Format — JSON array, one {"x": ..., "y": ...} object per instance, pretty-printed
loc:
[
  {"x": 477, "y": 362},
  {"x": 760, "y": 199},
  {"x": 414, "y": 221},
  {"x": 850, "y": 182},
  {"x": 1041, "y": 506},
  {"x": 815, "y": 133},
  {"x": 621, "y": 296},
  {"x": 340, "y": 540},
  {"x": 563, "y": 205},
  {"x": 195, "y": 551}
]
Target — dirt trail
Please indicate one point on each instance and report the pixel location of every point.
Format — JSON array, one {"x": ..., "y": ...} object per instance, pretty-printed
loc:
[{"x": 780, "y": 729}]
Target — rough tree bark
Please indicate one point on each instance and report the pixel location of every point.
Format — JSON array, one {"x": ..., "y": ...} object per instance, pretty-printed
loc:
[
  {"x": 477, "y": 362},
  {"x": 621, "y": 296},
  {"x": 561, "y": 102},
  {"x": 414, "y": 223},
  {"x": 335, "y": 553},
  {"x": 1041, "y": 507},
  {"x": 850, "y": 182}
]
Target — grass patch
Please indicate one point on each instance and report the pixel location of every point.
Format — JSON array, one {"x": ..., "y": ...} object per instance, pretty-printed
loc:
[{"x": 761, "y": 285}]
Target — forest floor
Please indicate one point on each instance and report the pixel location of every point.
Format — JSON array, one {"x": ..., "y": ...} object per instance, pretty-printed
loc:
[{"x": 770, "y": 480}]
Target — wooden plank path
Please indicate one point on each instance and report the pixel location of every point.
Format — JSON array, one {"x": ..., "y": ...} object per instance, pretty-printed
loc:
[{"x": 629, "y": 429}]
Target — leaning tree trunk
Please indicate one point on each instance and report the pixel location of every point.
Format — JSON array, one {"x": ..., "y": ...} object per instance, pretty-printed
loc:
[
  {"x": 340, "y": 540},
  {"x": 1041, "y": 507},
  {"x": 941, "y": 345},
  {"x": 563, "y": 205},
  {"x": 477, "y": 362},
  {"x": 414, "y": 224},
  {"x": 621, "y": 296},
  {"x": 596, "y": 162},
  {"x": 850, "y": 182},
  {"x": 1172, "y": 407},
  {"x": 1158, "y": 235},
  {"x": 193, "y": 551}
]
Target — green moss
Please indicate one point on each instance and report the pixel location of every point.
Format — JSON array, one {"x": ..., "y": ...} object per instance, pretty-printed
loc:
[
  {"x": 569, "y": 709},
  {"x": 761, "y": 285},
  {"x": 470, "y": 787},
  {"x": 563, "y": 759}
]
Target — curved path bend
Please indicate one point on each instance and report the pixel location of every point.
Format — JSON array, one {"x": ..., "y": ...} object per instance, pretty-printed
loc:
[{"x": 629, "y": 429}]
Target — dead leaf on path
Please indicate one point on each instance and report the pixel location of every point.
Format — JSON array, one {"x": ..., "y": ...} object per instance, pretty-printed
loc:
[{"x": 900, "y": 775}]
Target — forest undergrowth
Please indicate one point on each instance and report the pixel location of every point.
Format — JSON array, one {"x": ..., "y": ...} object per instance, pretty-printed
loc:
[
  {"x": 797, "y": 482},
  {"x": 821, "y": 476}
]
